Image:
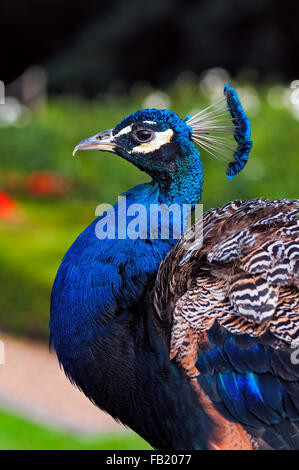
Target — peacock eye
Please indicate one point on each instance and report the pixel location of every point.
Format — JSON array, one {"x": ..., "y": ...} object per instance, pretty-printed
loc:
[{"x": 144, "y": 135}]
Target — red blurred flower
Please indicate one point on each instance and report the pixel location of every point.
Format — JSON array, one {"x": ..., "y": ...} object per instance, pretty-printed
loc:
[
  {"x": 43, "y": 183},
  {"x": 40, "y": 182},
  {"x": 7, "y": 205}
]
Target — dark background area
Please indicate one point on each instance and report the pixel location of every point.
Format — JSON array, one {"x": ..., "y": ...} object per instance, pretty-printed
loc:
[
  {"x": 72, "y": 69},
  {"x": 90, "y": 46}
]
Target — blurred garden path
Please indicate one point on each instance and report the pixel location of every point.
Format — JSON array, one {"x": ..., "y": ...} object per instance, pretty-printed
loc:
[{"x": 32, "y": 385}]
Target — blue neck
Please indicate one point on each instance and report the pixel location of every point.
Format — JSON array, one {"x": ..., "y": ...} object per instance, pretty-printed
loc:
[
  {"x": 96, "y": 273},
  {"x": 98, "y": 311},
  {"x": 182, "y": 184}
]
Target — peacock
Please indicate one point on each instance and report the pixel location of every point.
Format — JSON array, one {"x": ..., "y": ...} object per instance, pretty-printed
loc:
[{"x": 189, "y": 339}]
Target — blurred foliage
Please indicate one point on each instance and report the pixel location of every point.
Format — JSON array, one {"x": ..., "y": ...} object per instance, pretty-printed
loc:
[
  {"x": 19, "y": 434},
  {"x": 31, "y": 251}
]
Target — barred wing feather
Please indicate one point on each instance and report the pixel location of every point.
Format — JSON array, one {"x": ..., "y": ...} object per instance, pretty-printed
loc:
[{"x": 229, "y": 309}]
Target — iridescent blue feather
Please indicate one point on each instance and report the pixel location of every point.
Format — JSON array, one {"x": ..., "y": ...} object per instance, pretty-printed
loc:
[
  {"x": 242, "y": 133},
  {"x": 223, "y": 130}
]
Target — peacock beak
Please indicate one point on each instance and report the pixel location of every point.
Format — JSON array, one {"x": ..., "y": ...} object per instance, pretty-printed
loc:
[{"x": 101, "y": 141}]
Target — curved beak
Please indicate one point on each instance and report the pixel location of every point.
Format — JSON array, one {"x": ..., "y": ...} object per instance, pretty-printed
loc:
[{"x": 101, "y": 141}]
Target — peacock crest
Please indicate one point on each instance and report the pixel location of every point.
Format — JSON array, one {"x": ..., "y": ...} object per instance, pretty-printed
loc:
[{"x": 223, "y": 130}]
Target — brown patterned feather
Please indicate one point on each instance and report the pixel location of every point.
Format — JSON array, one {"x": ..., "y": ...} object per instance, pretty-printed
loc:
[{"x": 243, "y": 275}]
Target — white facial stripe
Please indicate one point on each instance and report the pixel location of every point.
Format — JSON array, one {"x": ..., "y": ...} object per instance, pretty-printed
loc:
[
  {"x": 125, "y": 130},
  {"x": 161, "y": 138},
  {"x": 128, "y": 129}
]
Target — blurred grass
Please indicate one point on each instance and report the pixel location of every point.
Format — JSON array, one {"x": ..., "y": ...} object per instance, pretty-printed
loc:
[
  {"x": 30, "y": 252},
  {"x": 18, "y": 434}
]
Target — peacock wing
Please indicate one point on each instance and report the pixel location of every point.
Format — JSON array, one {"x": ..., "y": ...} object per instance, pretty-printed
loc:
[{"x": 227, "y": 303}]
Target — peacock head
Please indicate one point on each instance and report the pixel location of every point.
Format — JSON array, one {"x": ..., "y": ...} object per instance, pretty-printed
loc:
[
  {"x": 156, "y": 141},
  {"x": 162, "y": 144}
]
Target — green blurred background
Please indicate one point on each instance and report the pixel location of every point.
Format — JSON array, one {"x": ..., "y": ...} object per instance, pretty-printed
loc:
[{"x": 77, "y": 89}]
